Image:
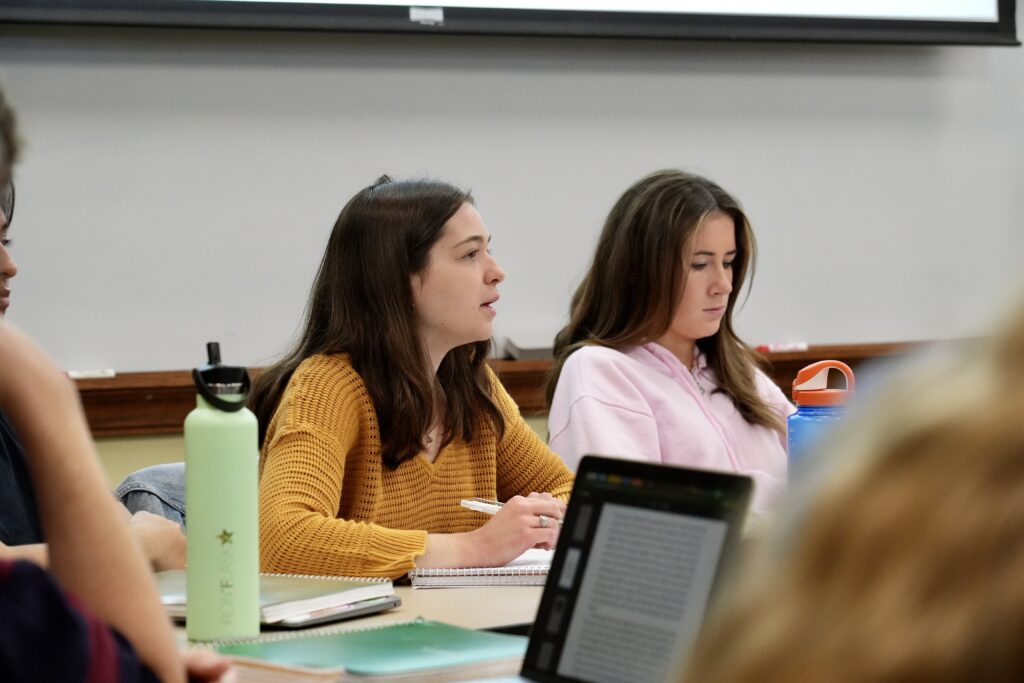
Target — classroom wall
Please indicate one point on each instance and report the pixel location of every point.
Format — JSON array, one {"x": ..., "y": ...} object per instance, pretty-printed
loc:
[{"x": 178, "y": 186}]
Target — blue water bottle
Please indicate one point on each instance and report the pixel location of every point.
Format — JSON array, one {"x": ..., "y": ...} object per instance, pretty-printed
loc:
[{"x": 818, "y": 407}]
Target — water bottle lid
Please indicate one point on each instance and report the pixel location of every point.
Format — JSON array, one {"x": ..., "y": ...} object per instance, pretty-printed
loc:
[
  {"x": 225, "y": 388},
  {"x": 215, "y": 380},
  {"x": 810, "y": 388}
]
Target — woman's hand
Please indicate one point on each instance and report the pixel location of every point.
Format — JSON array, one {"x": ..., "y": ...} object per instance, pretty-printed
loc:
[
  {"x": 207, "y": 667},
  {"x": 548, "y": 496},
  {"x": 521, "y": 524},
  {"x": 161, "y": 540},
  {"x": 524, "y": 522}
]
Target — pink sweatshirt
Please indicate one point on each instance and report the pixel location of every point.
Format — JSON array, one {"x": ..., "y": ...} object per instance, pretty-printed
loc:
[{"x": 644, "y": 404}]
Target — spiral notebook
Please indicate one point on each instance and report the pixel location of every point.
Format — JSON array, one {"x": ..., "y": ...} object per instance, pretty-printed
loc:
[
  {"x": 294, "y": 601},
  {"x": 529, "y": 569}
]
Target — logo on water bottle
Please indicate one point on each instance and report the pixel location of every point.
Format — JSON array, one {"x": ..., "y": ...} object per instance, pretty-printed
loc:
[{"x": 227, "y": 576}]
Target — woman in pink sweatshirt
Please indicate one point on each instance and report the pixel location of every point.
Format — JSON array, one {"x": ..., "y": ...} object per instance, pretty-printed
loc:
[{"x": 649, "y": 366}]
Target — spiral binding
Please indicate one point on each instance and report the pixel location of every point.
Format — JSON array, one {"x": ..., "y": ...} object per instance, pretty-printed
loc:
[
  {"x": 522, "y": 570},
  {"x": 278, "y": 636},
  {"x": 523, "y": 575},
  {"x": 362, "y": 579}
]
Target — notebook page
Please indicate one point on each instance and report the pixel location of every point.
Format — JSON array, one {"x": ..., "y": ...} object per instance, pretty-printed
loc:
[{"x": 533, "y": 556}]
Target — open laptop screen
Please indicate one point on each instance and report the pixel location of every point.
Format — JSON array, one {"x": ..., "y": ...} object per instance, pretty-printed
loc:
[{"x": 635, "y": 566}]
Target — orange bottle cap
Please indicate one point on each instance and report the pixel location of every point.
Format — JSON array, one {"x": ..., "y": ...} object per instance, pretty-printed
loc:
[{"x": 810, "y": 388}]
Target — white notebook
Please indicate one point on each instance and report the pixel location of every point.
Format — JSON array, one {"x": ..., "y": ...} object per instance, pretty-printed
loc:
[{"x": 529, "y": 569}]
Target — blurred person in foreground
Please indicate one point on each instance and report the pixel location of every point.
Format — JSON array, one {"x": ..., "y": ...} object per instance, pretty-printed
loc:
[
  {"x": 21, "y": 535},
  {"x": 95, "y": 614},
  {"x": 903, "y": 556}
]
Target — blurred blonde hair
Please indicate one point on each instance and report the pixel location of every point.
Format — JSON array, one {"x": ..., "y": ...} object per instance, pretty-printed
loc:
[{"x": 905, "y": 560}]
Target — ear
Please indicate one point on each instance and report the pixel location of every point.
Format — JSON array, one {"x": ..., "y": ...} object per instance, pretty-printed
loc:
[{"x": 416, "y": 287}]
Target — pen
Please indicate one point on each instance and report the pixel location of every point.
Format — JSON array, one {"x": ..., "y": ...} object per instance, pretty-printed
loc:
[{"x": 488, "y": 507}]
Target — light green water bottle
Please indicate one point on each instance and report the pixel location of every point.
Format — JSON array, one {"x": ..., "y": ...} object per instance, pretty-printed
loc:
[{"x": 221, "y": 460}]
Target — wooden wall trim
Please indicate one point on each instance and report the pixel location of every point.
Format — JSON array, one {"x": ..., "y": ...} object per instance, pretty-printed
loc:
[{"x": 154, "y": 403}]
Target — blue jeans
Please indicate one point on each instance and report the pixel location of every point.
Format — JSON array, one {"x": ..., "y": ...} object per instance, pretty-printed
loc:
[{"x": 159, "y": 489}]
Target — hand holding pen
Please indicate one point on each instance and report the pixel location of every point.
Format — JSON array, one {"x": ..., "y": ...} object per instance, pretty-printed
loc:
[
  {"x": 491, "y": 507},
  {"x": 521, "y": 523}
]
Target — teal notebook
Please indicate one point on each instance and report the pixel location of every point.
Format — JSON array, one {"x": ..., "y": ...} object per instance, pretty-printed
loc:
[{"x": 439, "y": 651}]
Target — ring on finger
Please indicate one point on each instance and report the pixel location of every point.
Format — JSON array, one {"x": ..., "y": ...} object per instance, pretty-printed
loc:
[{"x": 543, "y": 522}]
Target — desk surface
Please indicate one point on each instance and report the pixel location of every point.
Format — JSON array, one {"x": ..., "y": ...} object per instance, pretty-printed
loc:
[{"x": 477, "y": 608}]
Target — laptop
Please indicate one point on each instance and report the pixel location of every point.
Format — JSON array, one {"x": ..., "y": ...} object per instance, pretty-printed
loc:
[{"x": 638, "y": 559}]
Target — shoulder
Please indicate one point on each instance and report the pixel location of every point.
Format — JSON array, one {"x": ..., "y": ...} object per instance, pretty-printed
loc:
[
  {"x": 499, "y": 394},
  {"x": 611, "y": 376},
  {"x": 771, "y": 394},
  {"x": 595, "y": 364},
  {"x": 323, "y": 389},
  {"x": 598, "y": 356},
  {"x": 324, "y": 372}
]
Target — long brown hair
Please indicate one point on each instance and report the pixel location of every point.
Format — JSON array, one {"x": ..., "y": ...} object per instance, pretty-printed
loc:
[
  {"x": 903, "y": 560},
  {"x": 361, "y": 304},
  {"x": 635, "y": 282},
  {"x": 9, "y": 142}
]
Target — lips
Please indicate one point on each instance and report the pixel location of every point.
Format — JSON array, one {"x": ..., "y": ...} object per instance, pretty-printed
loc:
[{"x": 488, "y": 307}]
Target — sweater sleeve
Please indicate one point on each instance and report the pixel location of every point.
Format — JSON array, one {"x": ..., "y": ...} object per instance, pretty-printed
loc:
[
  {"x": 303, "y": 480},
  {"x": 524, "y": 463}
]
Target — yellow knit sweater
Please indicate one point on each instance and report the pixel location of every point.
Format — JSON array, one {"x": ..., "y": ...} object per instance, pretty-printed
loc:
[{"x": 328, "y": 505}]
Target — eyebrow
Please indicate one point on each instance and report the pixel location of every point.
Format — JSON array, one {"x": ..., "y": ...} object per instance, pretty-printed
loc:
[
  {"x": 711, "y": 253},
  {"x": 474, "y": 238}
]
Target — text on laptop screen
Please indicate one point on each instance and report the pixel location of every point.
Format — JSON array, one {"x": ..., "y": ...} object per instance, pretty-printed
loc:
[{"x": 634, "y": 571}]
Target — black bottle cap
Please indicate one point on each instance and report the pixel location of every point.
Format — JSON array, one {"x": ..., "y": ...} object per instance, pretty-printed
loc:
[{"x": 213, "y": 380}]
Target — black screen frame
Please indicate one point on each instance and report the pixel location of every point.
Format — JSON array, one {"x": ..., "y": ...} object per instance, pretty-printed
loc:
[
  {"x": 669, "y": 485},
  {"x": 475, "y": 21}
]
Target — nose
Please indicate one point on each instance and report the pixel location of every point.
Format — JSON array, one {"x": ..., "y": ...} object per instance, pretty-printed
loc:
[
  {"x": 8, "y": 268},
  {"x": 722, "y": 284},
  {"x": 495, "y": 274}
]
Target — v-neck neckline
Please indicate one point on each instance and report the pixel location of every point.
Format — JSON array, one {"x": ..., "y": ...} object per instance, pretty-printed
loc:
[{"x": 434, "y": 464}]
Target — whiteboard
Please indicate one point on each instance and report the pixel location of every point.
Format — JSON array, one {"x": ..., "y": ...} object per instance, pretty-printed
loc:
[
  {"x": 178, "y": 187},
  {"x": 917, "y": 10}
]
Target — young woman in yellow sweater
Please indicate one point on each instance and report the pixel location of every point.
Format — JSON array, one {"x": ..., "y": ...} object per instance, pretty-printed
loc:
[{"x": 385, "y": 414}]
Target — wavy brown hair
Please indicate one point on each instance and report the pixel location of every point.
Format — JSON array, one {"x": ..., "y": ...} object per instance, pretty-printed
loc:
[
  {"x": 904, "y": 560},
  {"x": 9, "y": 143},
  {"x": 361, "y": 304},
  {"x": 635, "y": 283}
]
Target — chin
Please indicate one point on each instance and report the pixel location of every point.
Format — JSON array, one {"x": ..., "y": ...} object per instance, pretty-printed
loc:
[{"x": 710, "y": 333}]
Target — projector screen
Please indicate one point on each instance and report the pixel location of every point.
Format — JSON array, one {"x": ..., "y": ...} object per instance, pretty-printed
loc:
[{"x": 977, "y": 22}]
